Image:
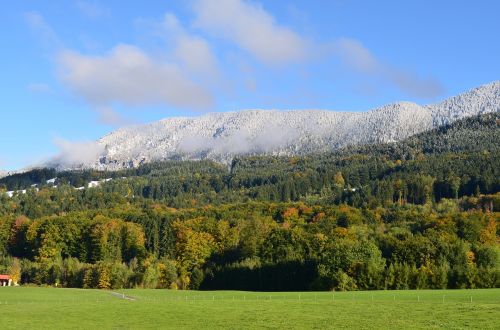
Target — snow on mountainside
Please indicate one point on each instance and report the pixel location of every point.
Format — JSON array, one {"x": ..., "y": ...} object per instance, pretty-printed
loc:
[
  {"x": 221, "y": 136},
  {"x": 480, "y": 100}
]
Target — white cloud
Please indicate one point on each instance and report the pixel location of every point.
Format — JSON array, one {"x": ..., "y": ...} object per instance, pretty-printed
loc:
[
  {"x": 251, "y": 28},
  {"x": 109, "y": 116},
  {"x": 39, "y": 88},
  {"x": 44, "y": 31},
  {"x": 129, "y": 76},
  {"x": 192, "y": 51},
  {"x": 415, "y": 85},
  {"x": 240, "y": 142},
  {"x": 76, "y": 153},
  {"x": 90, "y": 9},
  {"x": 354, "y": 54}
]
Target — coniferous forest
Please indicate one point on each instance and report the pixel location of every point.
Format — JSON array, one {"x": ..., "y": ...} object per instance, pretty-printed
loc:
[{"x": 417, "y": 214}]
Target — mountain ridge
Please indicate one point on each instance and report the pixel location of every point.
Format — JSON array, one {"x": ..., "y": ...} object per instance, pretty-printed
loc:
[
  {"x": 222, "y": 136},
  {"x": 468, "y": 137}
]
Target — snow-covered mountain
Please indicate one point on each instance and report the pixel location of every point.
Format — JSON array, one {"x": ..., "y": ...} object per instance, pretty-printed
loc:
[{"x": 221, "y": 136}]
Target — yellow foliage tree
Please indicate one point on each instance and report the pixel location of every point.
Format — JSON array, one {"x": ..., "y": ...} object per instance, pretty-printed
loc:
[
  {"x": 15, "y": 271},
  {"x": 489, "y": 233},
  {"x": 338, "y": 179},
  {"x": 193, "y": 247}
]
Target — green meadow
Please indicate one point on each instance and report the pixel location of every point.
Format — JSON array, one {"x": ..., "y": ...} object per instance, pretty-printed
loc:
[{"x": 43, "y": 308}]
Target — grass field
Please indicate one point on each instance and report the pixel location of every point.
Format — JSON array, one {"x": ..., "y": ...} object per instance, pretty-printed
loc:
[{"x": 28, "y": 307}]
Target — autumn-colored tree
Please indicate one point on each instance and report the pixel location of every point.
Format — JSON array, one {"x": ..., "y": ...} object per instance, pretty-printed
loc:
[
  {"x": 167, "y": 270},
  {"x": 44, "y": 236},
  {"x": 106, "y": 237},
  {"x": 489, "y": 234},
  {"x": 338, "y": 179},
  {"x": 193, "y": 247},
  {"x": 104, "y": 276},
  {"x": 89, "y": 278},
  {"x": 290, "y": 214},
  {"x": 15, "y": 270},
  {"x": 132, "y": 241}
]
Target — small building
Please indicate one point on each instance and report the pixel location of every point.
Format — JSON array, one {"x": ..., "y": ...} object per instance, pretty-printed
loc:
[{"x": 5, "y": 280}]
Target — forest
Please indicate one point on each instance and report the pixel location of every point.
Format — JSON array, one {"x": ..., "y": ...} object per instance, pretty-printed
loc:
[{"x": 417, "y": 214}]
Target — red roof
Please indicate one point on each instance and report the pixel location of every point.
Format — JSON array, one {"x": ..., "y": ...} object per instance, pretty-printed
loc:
[{"x": 4, "y": 277}]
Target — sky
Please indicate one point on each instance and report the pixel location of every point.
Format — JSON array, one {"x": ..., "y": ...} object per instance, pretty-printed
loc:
[{"x": 73, "y": 71}]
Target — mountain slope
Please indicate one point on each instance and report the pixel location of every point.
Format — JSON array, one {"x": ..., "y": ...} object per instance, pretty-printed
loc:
[
  {"x": 221, "y": 136},
  {"x": 480, "y": 100},
  {"x": 469, "y": 138}
]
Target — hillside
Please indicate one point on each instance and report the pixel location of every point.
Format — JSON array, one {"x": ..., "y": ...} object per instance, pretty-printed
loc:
[
  {"x": 422, "y": 213},
  {"x": 467, "y": 149}
]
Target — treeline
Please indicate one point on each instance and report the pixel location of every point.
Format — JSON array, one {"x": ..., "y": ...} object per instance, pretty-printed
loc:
[{"x": 258, "y": 246}]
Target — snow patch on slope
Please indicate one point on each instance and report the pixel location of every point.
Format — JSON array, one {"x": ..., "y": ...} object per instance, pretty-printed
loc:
[{"x": 221, "y": 136}]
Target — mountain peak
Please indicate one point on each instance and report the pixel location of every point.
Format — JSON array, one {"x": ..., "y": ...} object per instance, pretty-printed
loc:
[{"x": 482, "y": 99}]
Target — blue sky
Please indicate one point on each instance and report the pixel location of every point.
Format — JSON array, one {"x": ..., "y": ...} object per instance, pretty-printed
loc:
[{"x": 72, "y": 71}]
